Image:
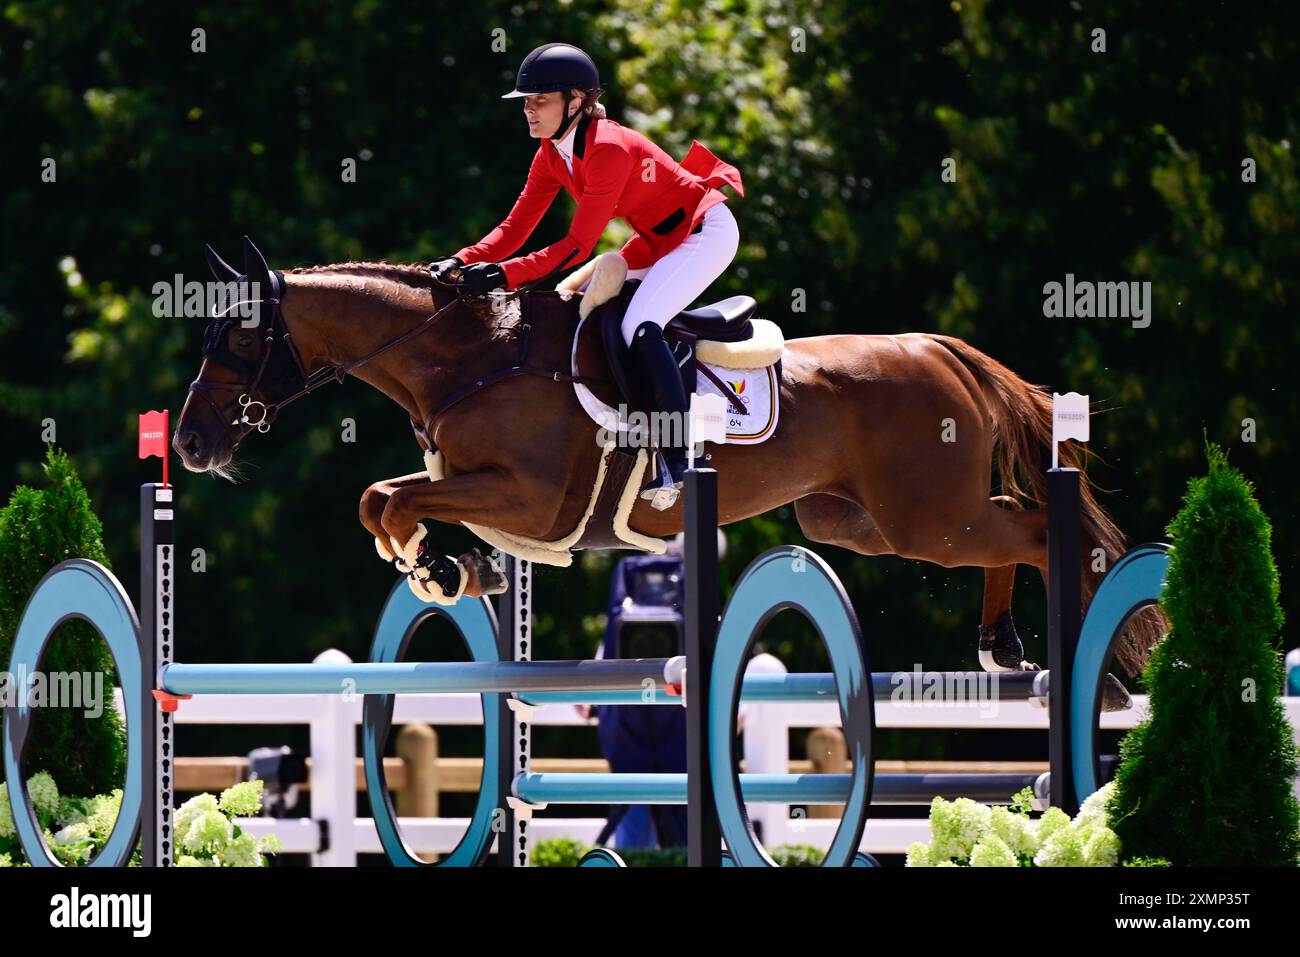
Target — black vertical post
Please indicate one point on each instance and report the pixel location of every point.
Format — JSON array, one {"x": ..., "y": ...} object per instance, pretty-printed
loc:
[
  {"x": 514, "y": 643},
  {"x": 1064, "y": 604},
  {"x": 704, "y": 836},
  {"x": 157, "y": 649}
]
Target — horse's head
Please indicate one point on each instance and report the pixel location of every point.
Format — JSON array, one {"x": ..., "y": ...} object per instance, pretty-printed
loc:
[{"x": 250, "y": 366}]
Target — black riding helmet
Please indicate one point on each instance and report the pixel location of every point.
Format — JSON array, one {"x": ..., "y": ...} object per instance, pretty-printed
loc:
[{"x": 553, "y": 68}]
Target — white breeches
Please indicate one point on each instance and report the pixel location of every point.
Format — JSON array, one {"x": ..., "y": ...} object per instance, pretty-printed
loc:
[{"x": 672, "y": 283}]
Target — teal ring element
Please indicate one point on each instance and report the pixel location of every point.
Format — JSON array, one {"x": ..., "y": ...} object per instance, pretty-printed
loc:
[
  {"x": 1133, "y": 583},
  {"x": 601, "y": 857},
  {"x": 781, "y": 578},
  {"x": 83, "y": 589},
  {"x": 403, "y": 613}
]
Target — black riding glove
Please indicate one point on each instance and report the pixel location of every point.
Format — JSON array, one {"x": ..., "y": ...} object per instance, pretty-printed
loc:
[
  {"x": 479, "y": 278},
  {"x": 443, "y": 268}
]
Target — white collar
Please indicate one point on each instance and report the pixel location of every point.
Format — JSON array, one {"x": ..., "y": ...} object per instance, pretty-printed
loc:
[{"x": 565, "y": 146}]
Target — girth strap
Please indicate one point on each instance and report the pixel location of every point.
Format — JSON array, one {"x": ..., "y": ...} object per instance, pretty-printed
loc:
[{"x": 521, "y": 367}]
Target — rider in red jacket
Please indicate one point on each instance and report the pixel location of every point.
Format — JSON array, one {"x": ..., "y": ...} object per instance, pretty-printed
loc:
[{"x": 685, "y": 235}]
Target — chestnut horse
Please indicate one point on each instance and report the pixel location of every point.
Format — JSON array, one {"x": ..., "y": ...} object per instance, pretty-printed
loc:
[{"x": 886, "y": 444}]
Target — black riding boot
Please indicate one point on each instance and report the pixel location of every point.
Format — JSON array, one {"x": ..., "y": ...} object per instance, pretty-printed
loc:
[{"x": 669, "y": 396}]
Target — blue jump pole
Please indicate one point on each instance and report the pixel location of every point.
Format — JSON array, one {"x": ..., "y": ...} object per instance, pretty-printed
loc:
[
  {"x": 410, "y": 677},
  {"x": 905, "y": 686},
  {"x": 770, "y": 788}
]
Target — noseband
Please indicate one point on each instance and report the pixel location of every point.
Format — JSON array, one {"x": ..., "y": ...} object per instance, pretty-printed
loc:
[{"x": 279, "y": 375}]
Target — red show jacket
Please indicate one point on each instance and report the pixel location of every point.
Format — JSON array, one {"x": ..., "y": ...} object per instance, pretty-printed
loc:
[{"x": 616, "y": 172}]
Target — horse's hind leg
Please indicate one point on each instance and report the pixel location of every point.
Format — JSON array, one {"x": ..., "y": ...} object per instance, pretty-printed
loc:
[{"x": 1000, "y": 648}]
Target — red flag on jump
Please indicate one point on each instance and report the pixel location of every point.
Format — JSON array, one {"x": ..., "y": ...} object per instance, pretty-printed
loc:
[{"x": 153, "y": 437}]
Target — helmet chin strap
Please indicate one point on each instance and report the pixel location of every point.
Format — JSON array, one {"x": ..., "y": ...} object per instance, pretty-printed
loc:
[{"x": 566, "y": 120}]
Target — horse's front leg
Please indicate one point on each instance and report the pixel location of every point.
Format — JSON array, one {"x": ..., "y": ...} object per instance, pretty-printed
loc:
[
  {"x": 375, "y": 499},
  {"x": 373, "y": 502},
  {"x": 475, "y": 497}
]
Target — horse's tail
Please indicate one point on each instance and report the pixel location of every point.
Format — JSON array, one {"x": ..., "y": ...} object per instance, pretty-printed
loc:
[{"x": 1022, "y": 437}]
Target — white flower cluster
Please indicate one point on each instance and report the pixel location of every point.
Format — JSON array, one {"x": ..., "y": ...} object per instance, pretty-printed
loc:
[{"x": 964, "y": 832}]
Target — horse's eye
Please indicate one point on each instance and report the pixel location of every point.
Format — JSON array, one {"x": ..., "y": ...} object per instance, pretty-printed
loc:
[{"x": 242, "y": 341}]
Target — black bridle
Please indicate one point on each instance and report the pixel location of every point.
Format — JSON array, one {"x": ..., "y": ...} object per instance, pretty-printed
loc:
[{"x": 279, "y": 374}]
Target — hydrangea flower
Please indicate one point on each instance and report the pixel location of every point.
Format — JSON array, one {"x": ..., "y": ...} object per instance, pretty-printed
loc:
[
  {"x": 102, "y": 813},
  {"x": 964, "y": 832},
  {"x": 241, "y": 852},
  {"x": 1017, "y": 831},
  {"x": 918, "y": 854},
  {"x": 992, "y": 851},
  {"x": 209, "y": 831},
  {"x": 192, "y": 810},
  {"x": 1094, "y": 809},
  {"x": 74, "y": 828},
  {"x": 43, "y": 793},
  {"x": 955, "y": 827},
  {"x": 6, "y": 814},
  {"x": 72, "y": 834},
  {"x": 242, "y": 800},
  {"x": 1053, "y": 820},
  {"x": 1102, "y": 849}
]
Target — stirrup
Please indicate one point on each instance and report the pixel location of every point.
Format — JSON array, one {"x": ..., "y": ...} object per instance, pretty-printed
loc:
[{"x": 663, "y": 493}]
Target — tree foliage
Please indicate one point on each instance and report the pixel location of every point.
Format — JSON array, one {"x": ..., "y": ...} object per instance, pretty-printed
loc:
[{"x": 1207, "y": 780}]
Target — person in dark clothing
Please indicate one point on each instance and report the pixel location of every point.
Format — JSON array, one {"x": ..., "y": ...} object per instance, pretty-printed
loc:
[{"x": 645, "y": 621}]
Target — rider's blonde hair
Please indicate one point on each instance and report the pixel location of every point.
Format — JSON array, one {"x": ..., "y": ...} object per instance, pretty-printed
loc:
[{"x": 592, "y": 104}]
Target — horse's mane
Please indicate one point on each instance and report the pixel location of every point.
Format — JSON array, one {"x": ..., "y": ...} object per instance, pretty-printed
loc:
[{"x": 410, "y": 275}]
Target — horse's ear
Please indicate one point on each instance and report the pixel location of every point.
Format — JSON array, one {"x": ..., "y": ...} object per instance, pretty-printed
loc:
[
  {"x": 255, "y": 267},
  {"x": 221, "y": 270}
]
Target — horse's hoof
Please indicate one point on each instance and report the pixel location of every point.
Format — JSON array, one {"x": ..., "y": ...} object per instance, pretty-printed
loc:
[
  {"x": 1114, "y": 696},
  {"x": 495, "y": 584},
  {"x": 485, "y": 579},
  {"x": 1000, "y": 648}
]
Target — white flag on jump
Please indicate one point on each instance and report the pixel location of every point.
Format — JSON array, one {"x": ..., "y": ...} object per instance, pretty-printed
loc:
[{"x": 1069, "y": 419}]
